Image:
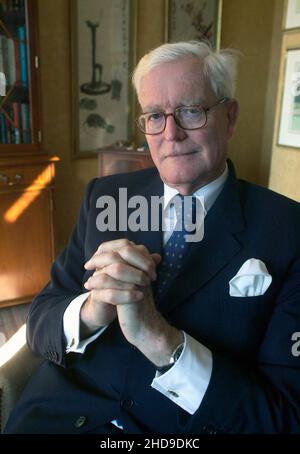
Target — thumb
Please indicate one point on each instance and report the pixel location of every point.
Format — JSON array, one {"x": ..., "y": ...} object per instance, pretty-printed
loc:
[{"x": 156, "y": 257}]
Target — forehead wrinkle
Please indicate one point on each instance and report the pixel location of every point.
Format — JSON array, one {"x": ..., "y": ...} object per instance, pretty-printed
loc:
[{"x": 193, "y": 101}]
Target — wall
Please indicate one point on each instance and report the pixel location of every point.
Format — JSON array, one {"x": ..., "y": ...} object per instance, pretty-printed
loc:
[
  {"x": 246, "y": 25},
  {"x": 71, "y": 175},
  {"x": 272, "y": 88}
]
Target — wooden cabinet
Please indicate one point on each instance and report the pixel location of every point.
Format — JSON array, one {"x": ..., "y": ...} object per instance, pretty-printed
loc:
[
  {"x": 26, "y": 232},
  {"x": 26, "y": 227},
  {"x": 114, "y": 160},
  {"x": 26, "y": 172}
]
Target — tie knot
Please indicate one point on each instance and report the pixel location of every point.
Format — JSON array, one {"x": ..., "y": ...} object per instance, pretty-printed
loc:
[{"x": 185, "y": 207}]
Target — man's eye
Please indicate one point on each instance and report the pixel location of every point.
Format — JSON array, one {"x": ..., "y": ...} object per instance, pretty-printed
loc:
[
  {"x": 192, "y": 112},
  {"x": 154, "y": 117}
]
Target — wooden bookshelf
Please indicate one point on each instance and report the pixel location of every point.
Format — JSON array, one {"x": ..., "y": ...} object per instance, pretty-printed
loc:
[{"x": 26, "y": 171}]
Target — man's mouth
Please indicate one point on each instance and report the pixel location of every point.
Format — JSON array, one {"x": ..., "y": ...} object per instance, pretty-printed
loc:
[{"x": 180, "y": 154}]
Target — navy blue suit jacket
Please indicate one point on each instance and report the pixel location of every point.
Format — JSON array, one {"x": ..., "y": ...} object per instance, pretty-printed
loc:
[{"x": 255, "y": 383}]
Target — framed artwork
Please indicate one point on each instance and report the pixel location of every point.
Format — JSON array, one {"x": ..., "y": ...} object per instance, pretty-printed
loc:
[
  {"x": 289, "y": 129},
  {"x": 193, "y": 19},
  {"x": 292, "y": 18},
  {"x": 103, "y": 33}
]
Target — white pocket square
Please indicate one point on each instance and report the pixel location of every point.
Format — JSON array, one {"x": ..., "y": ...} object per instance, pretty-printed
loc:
[{"x": 252, "y": 279}]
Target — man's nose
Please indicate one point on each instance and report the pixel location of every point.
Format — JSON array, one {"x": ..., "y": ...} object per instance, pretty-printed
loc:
[{"x": 172, "y": 130}]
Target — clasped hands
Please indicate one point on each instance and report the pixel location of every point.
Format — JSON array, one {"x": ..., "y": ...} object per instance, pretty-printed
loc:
[{"x": 121, "y": 287}]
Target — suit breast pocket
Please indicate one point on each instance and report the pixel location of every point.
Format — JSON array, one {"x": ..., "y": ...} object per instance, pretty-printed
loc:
[
  {"x": 248, "y": 305},
  {"x": 245, "y": 321}
]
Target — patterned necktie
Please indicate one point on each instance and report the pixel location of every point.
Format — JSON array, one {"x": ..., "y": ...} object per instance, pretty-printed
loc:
[{"x": 177, "y": 246}]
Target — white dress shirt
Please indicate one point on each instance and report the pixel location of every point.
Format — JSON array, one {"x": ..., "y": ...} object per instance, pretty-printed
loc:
[{"x": 185, "y": 389}]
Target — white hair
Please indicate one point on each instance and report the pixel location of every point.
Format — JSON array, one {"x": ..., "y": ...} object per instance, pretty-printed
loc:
[{"x": 219, "y": 67}]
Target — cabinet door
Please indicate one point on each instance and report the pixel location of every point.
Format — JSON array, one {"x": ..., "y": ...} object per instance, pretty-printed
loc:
[
  {"x": 19, "y": 104},
  {"x": 26, "y": 249}
]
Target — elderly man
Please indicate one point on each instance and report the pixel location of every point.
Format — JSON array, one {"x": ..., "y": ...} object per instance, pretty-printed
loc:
[{"x": 145, "y": 332}]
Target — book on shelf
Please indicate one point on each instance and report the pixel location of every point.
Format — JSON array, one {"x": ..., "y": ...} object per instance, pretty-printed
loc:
[
  {"x": 23, "y": 54},
  {"x": 15, "y": 124},
  {"x": 25, "y": 123},
  {"x": 2, "y": 83},
  {"x": 11, "y": 5}
]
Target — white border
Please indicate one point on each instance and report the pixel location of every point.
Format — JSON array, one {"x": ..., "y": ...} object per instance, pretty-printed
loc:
[
  {"x": 293, "y": 14},
  {"x": 291, "y": 83}
]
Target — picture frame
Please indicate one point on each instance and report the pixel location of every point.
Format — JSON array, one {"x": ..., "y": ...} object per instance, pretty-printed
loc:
[
  {"x": 292, "y": 15},
  {"x": 289, "y": 124},
  {"x": 193, "y": 20},
  {"x": 102, "y": 35}
]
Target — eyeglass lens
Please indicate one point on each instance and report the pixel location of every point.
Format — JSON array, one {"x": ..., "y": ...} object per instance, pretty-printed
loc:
[{"x": 186, "y": 117}]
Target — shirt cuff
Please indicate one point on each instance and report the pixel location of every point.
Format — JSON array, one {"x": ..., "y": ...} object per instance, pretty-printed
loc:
[
  {"x": 71, "y": 325},
  {"x": 187, "y": 381}
]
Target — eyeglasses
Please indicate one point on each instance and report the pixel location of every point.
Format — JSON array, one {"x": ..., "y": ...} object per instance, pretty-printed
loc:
[{"x": 186, "y": 117}]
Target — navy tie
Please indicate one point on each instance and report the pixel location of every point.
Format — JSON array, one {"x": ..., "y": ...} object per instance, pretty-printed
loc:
[{"x": 177, "y": 246}]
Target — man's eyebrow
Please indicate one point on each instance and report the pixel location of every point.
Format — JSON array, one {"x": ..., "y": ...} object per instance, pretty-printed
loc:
[
  {"x": 183, "y": 102},
  {"x": 152, "y": 108}
]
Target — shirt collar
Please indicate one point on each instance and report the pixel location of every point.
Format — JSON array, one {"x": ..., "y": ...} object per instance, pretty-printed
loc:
[{"x": 208, "y": 193}]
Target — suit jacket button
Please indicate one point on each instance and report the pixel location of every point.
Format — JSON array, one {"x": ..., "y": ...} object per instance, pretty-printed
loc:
[
  {"x": 209, "y": 429},
  {"x": 80, "y": 422},
  {"x": 126, "y": 404}
]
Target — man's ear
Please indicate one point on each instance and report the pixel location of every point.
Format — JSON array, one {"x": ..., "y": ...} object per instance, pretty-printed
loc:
[{"x": 232, "y": 116}]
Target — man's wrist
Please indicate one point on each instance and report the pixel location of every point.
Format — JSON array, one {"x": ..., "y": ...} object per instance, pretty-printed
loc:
[
  {"x": 160, "y": 351},
  {"x": 173, "y": 359},
  {"x": 87, "y": 328},
  {"x": 94, "y": 316}
]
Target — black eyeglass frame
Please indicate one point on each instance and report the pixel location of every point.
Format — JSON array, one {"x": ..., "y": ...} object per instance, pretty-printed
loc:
[{"x": 206, "y": 110}]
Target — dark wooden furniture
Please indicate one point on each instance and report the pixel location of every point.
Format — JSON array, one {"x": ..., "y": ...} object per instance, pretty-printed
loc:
[
  {"x": 112, "y": 161},
  {"x": 26, "y": 172}
]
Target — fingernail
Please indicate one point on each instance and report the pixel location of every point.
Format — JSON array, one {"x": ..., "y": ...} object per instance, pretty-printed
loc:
[
  {"x": 87, "y": 283},
  {"x": 86, "y": 265}
]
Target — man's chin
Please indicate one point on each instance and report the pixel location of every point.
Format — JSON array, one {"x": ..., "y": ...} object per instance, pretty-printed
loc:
[
  {"x": 177, "y": 180},
  {"x": 176, "y": 173}
]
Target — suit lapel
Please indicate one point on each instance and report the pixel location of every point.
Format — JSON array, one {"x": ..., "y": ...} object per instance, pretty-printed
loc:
[{"x": 219, "y": 245}]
